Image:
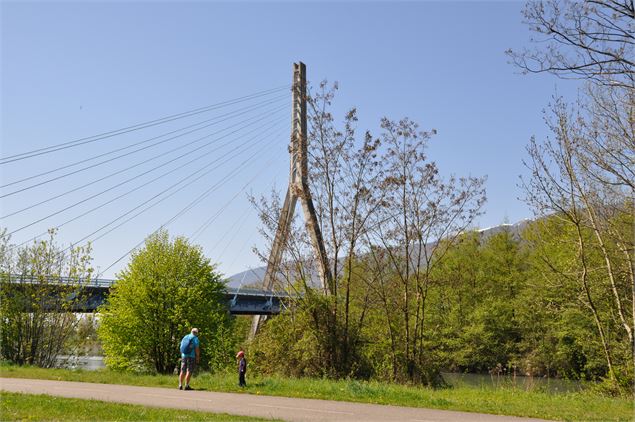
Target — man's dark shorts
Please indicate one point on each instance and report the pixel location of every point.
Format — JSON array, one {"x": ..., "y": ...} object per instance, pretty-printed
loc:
[{"x": 188, "y": 364}]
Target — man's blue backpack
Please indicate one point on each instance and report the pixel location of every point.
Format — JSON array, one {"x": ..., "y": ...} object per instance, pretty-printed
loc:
[{"x": 186, "y": 344}]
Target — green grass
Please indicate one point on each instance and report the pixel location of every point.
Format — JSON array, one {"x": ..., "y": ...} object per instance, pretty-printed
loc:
[
  {"x": 41, "y": 407},
  {"x": 585, "y": 406}
]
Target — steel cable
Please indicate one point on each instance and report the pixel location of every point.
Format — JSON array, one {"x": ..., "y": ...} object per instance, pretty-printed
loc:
[
  {"x": 126, "y": 154},
  {"x": 141, "y": 186},
  {"x": 139, "y": 126},
  {"x": 233, "y": 113},
  {"x": 143, "y": 210},
  {"x": 186, "y": 208},
  {"x": 148, "y": 160},
  {"x": 100, "y": 193}
]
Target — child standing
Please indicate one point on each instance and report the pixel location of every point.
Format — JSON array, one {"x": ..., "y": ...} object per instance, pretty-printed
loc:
[{"x": 242, "y": 368}]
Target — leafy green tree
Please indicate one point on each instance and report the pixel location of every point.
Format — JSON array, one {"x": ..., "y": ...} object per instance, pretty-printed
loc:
[
  {"x": 297, "y": 342},
  {"x": 584, "y": 174},
  {"x": 168, "y": 287},
  {"x": 40, "y": 286},
  {"x": 453, "y": 297},
  {"x": 562, "y": 309},
  {"x": 473, "y": 302}
]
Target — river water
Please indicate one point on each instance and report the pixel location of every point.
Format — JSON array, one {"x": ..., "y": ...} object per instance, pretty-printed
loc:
[
  {"x": 89, "y": 363},
  {"x": 550, "y": 385}
]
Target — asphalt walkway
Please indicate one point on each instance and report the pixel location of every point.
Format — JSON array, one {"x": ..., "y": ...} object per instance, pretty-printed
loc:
[{"x": 290, "y": 409}]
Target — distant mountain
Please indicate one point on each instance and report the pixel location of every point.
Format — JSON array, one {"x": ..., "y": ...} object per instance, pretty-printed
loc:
[
  {"x": 249, "y": 277},
  {"x": 516, "y": 229},
  {"x": 255, "y": 276}
]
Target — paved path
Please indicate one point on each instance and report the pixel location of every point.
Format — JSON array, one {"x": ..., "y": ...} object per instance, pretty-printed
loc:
[{"x": 286, "y": 408}]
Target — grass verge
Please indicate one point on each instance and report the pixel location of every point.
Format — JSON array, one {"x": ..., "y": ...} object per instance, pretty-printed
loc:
[
  {"x": 585, "y": 406},
  {"x": 41, "y": 407}
]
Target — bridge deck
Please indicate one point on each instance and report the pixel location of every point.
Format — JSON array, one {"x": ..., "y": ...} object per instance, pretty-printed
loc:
[{"x": 241, "y": 301}]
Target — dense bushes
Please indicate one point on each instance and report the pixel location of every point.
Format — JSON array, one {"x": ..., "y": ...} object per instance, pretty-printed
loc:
[
  {"x": 40, "y": 285},
  {"x": 167, "y": 288},
  {"x": 494, "y": 305}
]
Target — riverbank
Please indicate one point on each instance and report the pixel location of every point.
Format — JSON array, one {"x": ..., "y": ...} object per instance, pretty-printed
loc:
[
  {"x": 586, "y": 406},
  {"x": 454, "y": 379}
]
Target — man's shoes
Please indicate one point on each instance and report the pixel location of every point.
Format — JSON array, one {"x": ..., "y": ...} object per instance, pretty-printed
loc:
[
  {"x": 180, "y": 387},
  {"x": 187, "y": 387}
]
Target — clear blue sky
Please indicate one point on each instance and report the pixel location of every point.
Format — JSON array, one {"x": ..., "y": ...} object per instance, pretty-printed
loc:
[{"x": 71, "y": 70}]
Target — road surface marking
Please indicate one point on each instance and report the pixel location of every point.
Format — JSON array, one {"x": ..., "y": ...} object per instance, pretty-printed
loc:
[
  {"x": 303, "y": 408},
  {"x": 74, "y": 389},
  {"x": 174, "y": 397}
]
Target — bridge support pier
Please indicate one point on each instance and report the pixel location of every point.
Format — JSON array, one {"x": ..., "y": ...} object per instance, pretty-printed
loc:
[{"x": 298, "y": 189}]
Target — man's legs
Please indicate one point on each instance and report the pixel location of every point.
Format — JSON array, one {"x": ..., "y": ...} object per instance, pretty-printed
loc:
[
  {"x": 187, "y": 369},
  {"x": 181, "y": 376},
  {"x": 182, "y": 373}
]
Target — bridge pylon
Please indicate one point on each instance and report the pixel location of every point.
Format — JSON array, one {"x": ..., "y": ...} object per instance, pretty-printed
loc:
[{"x": 298, "y": 189}]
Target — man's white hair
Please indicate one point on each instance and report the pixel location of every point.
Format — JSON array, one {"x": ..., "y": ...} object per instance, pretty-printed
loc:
[{"x": 194, "y": 330}]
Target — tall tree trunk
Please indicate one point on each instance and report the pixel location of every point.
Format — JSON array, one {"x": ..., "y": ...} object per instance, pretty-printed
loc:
[{"x": 591, "y": 304}]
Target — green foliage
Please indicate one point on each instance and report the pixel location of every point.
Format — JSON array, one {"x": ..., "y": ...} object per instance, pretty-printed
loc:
[
  {"x": 285, "y": 345},
  {"x": 167, "y": 288},
  {"x": 311, "y": 339},
  {"x": 40, "y": 284},
  {"x": 473, "y": 310},
  {"x": 560, "y": 317},
  {"x": 505, "y": 303}
]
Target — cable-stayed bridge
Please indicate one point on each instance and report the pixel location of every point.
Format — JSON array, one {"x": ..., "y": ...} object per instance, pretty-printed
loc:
[
  {"x": 188, "y": 172},
  {"x": 241, "y": 136},
  {"x": 88, "y": 295}
]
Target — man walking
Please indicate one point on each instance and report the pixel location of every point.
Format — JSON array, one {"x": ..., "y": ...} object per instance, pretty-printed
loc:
[{"x": 190, "y": 356}]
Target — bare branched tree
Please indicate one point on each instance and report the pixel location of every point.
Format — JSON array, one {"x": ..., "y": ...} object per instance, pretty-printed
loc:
[
  {"x": 382, "y": 208},
  {"x": 607, "y": 139},
  {"x": 591, "y": 39},
  {"x": 345, "y": 176},
  {"x": 297, "y": 261},
  {"x": 419, "y": 210}
]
